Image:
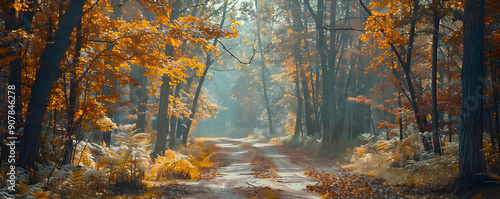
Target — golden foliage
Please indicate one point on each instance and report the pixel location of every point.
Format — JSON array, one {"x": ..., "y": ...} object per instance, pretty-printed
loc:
[
  {"x": 492, "y": 156},
  {"x": 360, "y": 151},
  {"x": 40, "y": 194},
  {"x": 169, "y": 166}
]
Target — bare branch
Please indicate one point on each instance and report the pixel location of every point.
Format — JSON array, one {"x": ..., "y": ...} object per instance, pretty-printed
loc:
[
  {"x": 91, "y": 7},
  {"x": 350, "y": 28},
  {"x": 234, "y": 56}
]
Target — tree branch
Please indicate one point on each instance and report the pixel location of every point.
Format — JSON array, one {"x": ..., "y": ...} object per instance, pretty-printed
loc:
[{"x": 234, "y": 56}]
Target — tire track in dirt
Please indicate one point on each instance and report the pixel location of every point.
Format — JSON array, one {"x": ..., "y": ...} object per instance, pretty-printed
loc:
[{"x": 236, "y": 180}]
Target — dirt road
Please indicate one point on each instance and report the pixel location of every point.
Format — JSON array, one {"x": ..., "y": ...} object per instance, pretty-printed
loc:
[{"x": 237, "y": 180}]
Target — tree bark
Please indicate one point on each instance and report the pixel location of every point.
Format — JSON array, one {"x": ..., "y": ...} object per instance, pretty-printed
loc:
[
  {"x": 47, "y": 74},
  {"x": 162, "y": 130},
  {"x": 264, "y": 89},
  {"x": 15, "y": 66},
  {"x": 73, "y": 95},
  {"x": 173, "y": 119},
  {"x": 298, "y": 119},
  {"x": 400, "y": 105},
  {"x": 142, "y": 100},
  {"x": 321, "y": 41},
  {"x": 332, "y": 59},
  {"x": 435, "y": 45},
  {"x": 471, "y": 158},
  {"x": 163, "y": 120},
  {"x": 181, "y": 125}
]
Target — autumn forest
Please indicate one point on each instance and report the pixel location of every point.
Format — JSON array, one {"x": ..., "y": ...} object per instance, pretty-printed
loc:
[{"x": 250, "y": 99}]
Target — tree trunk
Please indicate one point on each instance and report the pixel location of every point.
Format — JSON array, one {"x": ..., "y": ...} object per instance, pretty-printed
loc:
[
  {"x": 47, "y": 74},
  {"x": 173, "y": 119},
  {"x": 264, "y": 87},
  {"x": 406, "y": 63},
  {"x": 163, "y": 120},
  {"x": 471, "y": 158},
  {"x": 142, "y": 100},
  {"x": 181, "y": 125},
  {"x": 421, "y": 121},
  {"x": 162, "y": 130},
  {"x": 298, "y": 119},
  {"x": 341, "y": 100},
  {"x": 200, "y": 84},
  {"x": 496, "y": 122},
  {"x": 400, "y": 105},
  {"x": 12, "y": 23},
  {"x": 298, "y": 27},
  {"x": 332, "y": 58},
  {"x": 321, "y": 41},
  {"x": 73, "y": 95},
  {"x": 435, "y": 45}
]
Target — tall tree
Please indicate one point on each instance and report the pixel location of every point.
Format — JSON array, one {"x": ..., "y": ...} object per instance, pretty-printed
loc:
[
  {"x": 13, "y": 23},
  {"x": 263, "y": 72},
  {"x": 47, "y": 74},
  {"x": 321, "y": 46},
  {"x": 471, "y": 158},
  {"x": 435, "y": 45},
  {"x": 163, "y": 120}
]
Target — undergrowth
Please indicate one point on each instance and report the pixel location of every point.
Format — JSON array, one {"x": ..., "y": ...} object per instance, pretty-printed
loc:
[
  {"x": 98, "y": 171},
  {"x": 404, "y": 163},
  {"x": 346, "y": 184}
]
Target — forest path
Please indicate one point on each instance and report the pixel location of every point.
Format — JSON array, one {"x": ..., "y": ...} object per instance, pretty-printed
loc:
[{"x": 237, "y": 180}]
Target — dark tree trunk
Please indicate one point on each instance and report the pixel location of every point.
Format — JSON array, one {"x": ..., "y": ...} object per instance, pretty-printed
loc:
[
  {"x": 494, "y": 80},
  {"x": 307, "y": 101},
  {"x": 321, "y": 46},
  {"x": 142, "y": 97},
  {"x": 173, "y": 119},
  {"x": 162, "y": 130},
  {"x": 471, "y": 158},
  {"x": 47, "y": 74},
  {"x": 496, "y": 122},
  {"x": 298, "y": 119},
  {"x": 13, "y": 23},
  {"x": 163, "y": 120},
  {"x": 406, "y": 63},
  {"x": 195, "y": 101},
  {"x": 264, "y": 89},
  {"x": 341, "y": 101},
  {"x": 181, "y": 125},
  {"x": 73, "y": 95},
  {"x": 435, "y": 45},
  {"x": 400, "y": 105},
  {"x": 332, "y": 58},
  {"x": 421, "y": 121},
  {"x": 298, "y": 27}
]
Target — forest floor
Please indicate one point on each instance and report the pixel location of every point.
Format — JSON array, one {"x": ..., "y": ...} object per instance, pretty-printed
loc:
[{"x": 251, "y": 169}]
